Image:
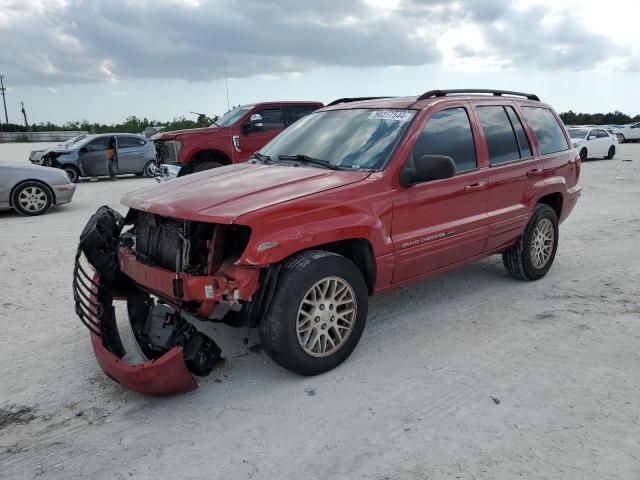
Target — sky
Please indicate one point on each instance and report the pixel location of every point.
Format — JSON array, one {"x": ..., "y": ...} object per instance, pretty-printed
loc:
[{"x": 70, "y": 60}]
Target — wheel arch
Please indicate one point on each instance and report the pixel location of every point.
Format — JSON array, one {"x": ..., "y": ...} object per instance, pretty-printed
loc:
[{"x": 554, "y": 200}]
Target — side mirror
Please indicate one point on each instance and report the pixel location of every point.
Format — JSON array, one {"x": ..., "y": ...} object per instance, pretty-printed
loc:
[
  {"x": 427, "y": 168},
  {"x": 254, "y": 124},
  {"x": 591, "y": 137}
]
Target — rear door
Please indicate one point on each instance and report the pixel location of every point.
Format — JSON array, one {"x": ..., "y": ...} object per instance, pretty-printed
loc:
[
  {"x": 513, "y": 171},
  {"x": 442, "y": 222},
  {"x": 131, "y": 154},
  {"x": 93, "y": 157},
  {"x": 272, "y": 124},
  {"x": 604, "y": 142}
]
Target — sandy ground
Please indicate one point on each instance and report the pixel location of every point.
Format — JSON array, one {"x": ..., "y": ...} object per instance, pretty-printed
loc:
[{"x": 471, "y": 375}]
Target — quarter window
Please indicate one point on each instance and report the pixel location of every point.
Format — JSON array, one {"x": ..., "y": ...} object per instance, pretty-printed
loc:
[
  {"x": 448, "y": 133},
  {"x": 547, "y": 129}
]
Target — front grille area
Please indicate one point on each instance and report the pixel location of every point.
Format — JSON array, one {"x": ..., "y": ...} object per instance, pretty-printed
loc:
[{"x": 159, "y": 241}]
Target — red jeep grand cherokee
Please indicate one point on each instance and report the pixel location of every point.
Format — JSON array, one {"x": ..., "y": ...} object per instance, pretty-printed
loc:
[
  {"x": 232, "y": 139},
  {"x": 352, "y": 200}
]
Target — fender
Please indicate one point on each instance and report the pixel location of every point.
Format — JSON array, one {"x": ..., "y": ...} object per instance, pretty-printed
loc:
[{"x": 275, "y": 246}]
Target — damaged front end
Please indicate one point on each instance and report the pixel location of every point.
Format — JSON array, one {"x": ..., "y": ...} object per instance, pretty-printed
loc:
[{"x": 141, "y": 290}]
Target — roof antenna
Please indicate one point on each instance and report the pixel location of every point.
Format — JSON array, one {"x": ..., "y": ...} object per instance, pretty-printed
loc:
[{"x": 226, "y": 83}]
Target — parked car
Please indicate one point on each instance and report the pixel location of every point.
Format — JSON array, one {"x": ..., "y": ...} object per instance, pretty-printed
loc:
[
  {"x": 87, "y": 158},
  {"x": 35, "y": 156},
  {"x": 353, "y": 200},
  {"x": 32, "y": 190},
  {"x": 628, "y": 132},
  {"x": 593, "y": 142},
  {"x": 232, "y": 139}
]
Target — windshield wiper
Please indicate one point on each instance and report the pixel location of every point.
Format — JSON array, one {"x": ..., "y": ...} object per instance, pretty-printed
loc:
[
  {"x": 263, "y": 158},
  {"x": 307, "y": 159}
]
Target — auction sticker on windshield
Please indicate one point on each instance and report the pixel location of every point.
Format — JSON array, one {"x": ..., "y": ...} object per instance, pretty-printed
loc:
[{"x": 391, "y": 115}]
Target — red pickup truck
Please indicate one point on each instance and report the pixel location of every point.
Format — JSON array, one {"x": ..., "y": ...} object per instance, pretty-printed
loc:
[
  {"x": 232, "y": 139},
  {"x": 354, "y": 199}
]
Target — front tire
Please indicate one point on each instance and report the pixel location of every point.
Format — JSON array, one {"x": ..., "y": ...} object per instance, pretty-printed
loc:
[
  {"x": 318, "y": 313},
  {"x": 621, "y": 138},
  {"x": 610, "y": 153},
  {"x": 148, "y": 170},
  {"x": 32, "y": 198},
  {"x": 532, "y": 255},
  {"x": 72, "y": 172}
]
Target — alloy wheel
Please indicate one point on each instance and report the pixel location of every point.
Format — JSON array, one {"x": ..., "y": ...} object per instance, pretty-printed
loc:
[
  {"x": 33, "y": 199},
  {"x": 542, "y": 242}
]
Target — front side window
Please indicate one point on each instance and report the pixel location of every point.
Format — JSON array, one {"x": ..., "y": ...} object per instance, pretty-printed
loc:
[
  {"x": 577, "y": 133},
  {"x": 547, "y": 129},
  {"x": 272, "y": 118},
  {"x": 602, "y": 134},
  {"x": 448, "y": 133},
  {"x": 349, "y": 139},
  {"x": 99, "y": 145}
]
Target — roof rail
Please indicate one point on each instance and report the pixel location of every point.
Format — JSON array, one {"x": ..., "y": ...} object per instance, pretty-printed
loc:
[
  {"x": 496, "y": 93},
  {"x": 353, "y": 99}
]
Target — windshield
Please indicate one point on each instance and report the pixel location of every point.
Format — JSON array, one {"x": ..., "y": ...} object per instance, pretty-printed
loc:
[
  {"x": 73, "y": 140},
  {"x": 353, "y": 139},
  {"x": 577, "y": 132},
  {"x": 232, "y": 116}
]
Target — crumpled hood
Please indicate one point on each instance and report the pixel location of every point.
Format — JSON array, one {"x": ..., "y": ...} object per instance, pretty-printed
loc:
[{"x": 223, "y": 194}]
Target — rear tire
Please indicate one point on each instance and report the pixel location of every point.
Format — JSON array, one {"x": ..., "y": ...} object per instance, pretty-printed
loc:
[
  {"x": 583, "y": 155},
  {"x": 72, "y": 172},
  {"x": 31, "y": 198},
  {"x": 611, "y": 153},
  {"x": 318, "y": 313},
  {"x": 206, "y": 166},
  {"x": 532, "y": 255}
]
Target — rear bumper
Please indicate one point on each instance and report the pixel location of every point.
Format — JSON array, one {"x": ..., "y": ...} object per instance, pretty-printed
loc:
[{"x": 569, "y": 200}]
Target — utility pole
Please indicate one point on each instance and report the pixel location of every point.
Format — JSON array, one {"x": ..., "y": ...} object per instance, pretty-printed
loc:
[
  {"x": 2, "y": 89},
  {"x": 24, "y": 112},
  {"x": 226, "y": 82}
]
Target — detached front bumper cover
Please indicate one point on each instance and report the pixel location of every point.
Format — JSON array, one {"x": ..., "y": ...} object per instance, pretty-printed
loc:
[{"x": 161, "y": 332}]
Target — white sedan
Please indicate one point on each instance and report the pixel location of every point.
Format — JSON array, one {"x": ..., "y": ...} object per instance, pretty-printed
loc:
[
  {"x": 593, "y": 142},
  {"x": 628, "y": 132}
]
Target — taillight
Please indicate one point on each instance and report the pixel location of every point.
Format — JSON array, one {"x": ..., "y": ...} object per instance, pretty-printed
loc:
[{"x": 578, "y": 165}]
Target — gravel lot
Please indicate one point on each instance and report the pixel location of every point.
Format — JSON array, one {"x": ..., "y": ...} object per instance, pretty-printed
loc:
[{"x": 470, "y": 375}]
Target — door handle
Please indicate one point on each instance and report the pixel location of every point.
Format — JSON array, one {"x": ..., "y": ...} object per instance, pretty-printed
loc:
[
  {"x": 475, "y": 187},
  {"x": 536, "y": 172}
]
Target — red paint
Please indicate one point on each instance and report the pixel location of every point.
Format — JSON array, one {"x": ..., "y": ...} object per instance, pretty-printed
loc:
[
  {"x": 413, "y": 232},
  {"x": 220, "y": 139}
]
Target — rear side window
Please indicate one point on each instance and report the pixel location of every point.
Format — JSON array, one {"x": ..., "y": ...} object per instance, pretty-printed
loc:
[
  {"x": 547, "y": 129},
  {"x": 448, "y": 133},
  {"x": 130, "y": 142},
  {"x": 272, "y": 118},
  {"x": 504, "y": 134},
  {"x": 299, "y": 111}
]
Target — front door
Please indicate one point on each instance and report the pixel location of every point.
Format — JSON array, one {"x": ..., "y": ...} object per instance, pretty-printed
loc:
[
  {"x": 93, "y": 157},
  {"x": 131, "y": 154},
  {"x": 252, "y": 141},
  {"x": 441, "y": 222}
]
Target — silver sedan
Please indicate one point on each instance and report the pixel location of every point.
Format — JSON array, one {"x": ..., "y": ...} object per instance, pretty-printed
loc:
[{"x": 32, "y": 190}]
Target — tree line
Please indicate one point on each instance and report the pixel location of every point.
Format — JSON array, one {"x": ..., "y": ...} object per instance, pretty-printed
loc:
[{"x": 132, "y": 124}]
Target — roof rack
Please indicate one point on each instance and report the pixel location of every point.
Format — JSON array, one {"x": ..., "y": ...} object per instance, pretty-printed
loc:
[
  {"x": 353, "y": 99},
  {"x": 496, "y": 93}
]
